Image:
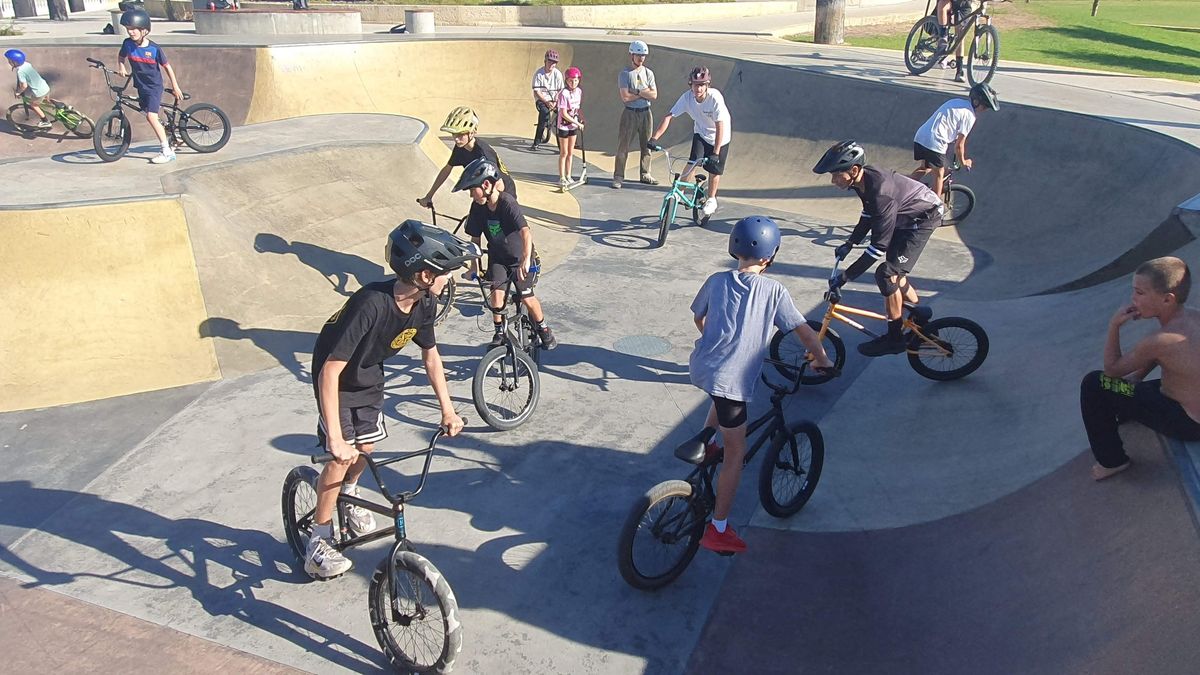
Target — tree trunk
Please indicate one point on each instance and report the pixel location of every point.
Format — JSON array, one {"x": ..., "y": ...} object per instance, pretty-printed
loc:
[
  {"x": 58, "y": 10},
  {"x": 1095, "y": 6},
  {"x": 830, "y": 28}
]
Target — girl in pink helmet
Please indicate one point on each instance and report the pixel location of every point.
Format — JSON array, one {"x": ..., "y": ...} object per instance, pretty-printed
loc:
[{"x": 570, "y": 123}]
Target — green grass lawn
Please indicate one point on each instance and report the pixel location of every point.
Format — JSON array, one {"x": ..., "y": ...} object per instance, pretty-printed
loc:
[
  {"x": 534, "y": 2},
  {"x": 1155, "y": 38}
]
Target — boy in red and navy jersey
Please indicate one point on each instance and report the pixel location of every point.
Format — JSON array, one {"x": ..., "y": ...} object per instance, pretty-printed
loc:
[{"x": 145, "y": 59}]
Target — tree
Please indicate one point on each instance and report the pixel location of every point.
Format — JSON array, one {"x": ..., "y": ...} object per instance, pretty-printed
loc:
[
  {"x": 830, "y": 28},
  {"x": 1095, "y": 6},
  {"x": 58, "y": 10}
]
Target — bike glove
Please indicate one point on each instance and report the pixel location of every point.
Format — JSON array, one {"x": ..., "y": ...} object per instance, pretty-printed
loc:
[
  {"x": 652, "y": 144},
  {"x": 710, "y": 163},
  {"x": 838, "y": 281},
  {"x": 842, "y": 251}
]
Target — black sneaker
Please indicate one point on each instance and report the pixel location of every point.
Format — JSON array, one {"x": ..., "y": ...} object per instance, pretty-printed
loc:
[
  {"x": 547, "y": 337},
  {"x": 497, "y": 340},
  {"x": 882, "y": 346}
]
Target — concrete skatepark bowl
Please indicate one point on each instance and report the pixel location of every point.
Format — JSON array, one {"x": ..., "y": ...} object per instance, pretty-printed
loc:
[{"x": 149, "y": 458}]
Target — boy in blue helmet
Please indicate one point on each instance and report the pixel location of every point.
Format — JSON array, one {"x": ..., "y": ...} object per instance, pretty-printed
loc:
[
  {"x": 145, "y": 59},
  {"x": 30, "y": 84},
  {"x": 734, "y": 312}
]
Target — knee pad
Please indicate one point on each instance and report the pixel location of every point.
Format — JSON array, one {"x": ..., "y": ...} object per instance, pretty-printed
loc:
[{"x": 883, "y": 279}]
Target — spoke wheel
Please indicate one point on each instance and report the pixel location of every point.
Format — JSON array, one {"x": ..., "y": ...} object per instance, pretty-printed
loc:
[
  {"x": 661, "y": 535},
  {"x": 22, "y": 118},
  {"x": 445, "y": 300},
  {"x": 111, "y": 136},
  {"x": 921, "y": 48},
  {"x": 665, "y": 218},
  {"x": 791, "y": 469},
  {"x": 77, "y": 122},
  {"x": 984, "y": 55},
  {"x": 414, "y": 614},
  {"x": 786, "y": 347},
  {"x": 959, "y": 205},
  {"x": 204, "y": 127},
  {"x": 299, "y": 505},
  {"x": 948, "y": 348},
  {"x": 506, "y": 388}
]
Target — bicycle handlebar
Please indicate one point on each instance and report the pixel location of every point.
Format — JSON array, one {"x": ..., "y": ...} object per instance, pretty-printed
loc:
[
  {"x": 99, "y": 65},
  {"x": 832, "y": 371},
  {"x": 373, "y": 465}
]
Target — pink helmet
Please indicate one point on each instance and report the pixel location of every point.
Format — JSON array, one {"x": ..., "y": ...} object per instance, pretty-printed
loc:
[{"x": 574, "y": 72}]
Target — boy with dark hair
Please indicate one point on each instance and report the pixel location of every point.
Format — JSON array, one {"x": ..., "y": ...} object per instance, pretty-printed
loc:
[{"x": 1171, "y": 405}]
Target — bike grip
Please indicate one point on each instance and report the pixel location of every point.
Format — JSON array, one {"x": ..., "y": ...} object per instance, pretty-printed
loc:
[
  {"x": 323, "y": 458},
  {"x": 91, "y": 60}
]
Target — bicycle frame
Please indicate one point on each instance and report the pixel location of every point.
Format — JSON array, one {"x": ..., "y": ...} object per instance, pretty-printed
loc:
[
  {"x": 687, "y": 192},
  {"x": 839, "y": 311},
  {"x": 961, "y": 27},
  {"x": 169, "y": 112}
]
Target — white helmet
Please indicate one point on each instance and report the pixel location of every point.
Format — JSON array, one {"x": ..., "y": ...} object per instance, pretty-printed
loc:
[{"x": 638, "y": 47}]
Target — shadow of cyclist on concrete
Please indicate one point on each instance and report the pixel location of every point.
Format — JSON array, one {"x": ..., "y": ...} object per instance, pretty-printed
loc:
[{"x": 337, "y": 267}]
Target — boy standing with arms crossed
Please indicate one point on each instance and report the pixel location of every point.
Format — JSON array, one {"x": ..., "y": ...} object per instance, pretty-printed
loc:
[
  {"x": 734, "y": 312},
  {"x": 145, "y": 59}
]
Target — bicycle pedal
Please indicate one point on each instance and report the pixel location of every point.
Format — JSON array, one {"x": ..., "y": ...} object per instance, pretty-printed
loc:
[{"x": 725, "y": 554}]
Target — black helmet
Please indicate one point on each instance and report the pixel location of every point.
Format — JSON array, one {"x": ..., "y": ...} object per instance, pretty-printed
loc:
[
  {"x": 135, "y": 18},
  {"x": 983, "y": 93},
  {"x": 475, "y": 173},
  {"x": 415, "y": 246},
  {"x": 841, "y": 157}
]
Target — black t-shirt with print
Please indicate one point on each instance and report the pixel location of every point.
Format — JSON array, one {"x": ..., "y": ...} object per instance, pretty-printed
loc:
[
  {"x": 462, "y": 157},
  {"x": 365, "y": 332},
  {"x": 500, "y": 228}
]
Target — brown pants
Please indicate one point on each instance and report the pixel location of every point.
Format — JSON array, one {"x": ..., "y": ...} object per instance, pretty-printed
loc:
[{"x": 633, "y": 123}]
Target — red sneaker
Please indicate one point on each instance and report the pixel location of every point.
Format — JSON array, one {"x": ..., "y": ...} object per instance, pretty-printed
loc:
[{"x": 722, "y": 542}]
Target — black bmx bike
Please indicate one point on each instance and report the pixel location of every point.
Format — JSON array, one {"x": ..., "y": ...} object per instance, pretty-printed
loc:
[
  {"x": 958, "y": 199},
  {"x": 203, "y": 127},
  {"x": 413, "y": 610},
  {"x": 506, "y": 386},
  {"x": 926, "y": 47},
  {"x": 663, "y": 530}
]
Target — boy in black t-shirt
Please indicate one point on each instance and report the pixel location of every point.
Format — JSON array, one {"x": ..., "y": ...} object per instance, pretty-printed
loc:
[
  {"x": 497, "y": 216},
  {"x": 376, "y": 322},
  {"x": 463, "y": 123}
]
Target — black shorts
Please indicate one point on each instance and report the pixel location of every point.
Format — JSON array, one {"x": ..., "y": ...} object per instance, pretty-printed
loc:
[
  {"x": 702, "y": 148},
  {"x": 360, "y": 425},
  {"x": 906, "y": 246},
  {"x": 730, "y": 413},
  {"x": 497, "y": 277},
  {"x": 567, "y": 133},
  {"x": 923, "y": 154}
]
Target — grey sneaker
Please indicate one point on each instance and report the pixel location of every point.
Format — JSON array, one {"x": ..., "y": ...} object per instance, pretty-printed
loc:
[
  {"x": 359, "y": 520},
  {"x": 163, "y": 158},
  {"x": 323, "y": 561},
  {"x": 616, "y": 183}
]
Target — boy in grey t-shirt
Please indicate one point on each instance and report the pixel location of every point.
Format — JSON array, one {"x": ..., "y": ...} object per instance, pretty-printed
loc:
[
  {"x": 637, "y": 88},
  {"x": 735, "y": 311}
]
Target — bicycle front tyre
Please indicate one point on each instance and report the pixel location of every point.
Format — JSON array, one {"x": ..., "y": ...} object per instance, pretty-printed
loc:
[
  {"x": 791, "y": 469},
  {"x": 984, "y": 55},
  {"x": 953, "y": 347},
  {"x": 786, "y": 347},
  {"x": 506, "y": 388},
  {"x": 111, "y": 136},
  {"x": 414, "y": 614},
  {"x": 205, "y": 127},
  {"x": 960, "y": 205},
  {"x": 920, "y": 49},
  {"x": 660, "y": 536},
  {"x": 445, "y": 300},
  {"x": 299, "y": 501},
  {"x": 665, "y": 218}
]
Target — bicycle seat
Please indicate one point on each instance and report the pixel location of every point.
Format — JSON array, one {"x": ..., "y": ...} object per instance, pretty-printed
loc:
[
  {"x": 700, "y": 178},
  {"x": 694, "y": 449}
]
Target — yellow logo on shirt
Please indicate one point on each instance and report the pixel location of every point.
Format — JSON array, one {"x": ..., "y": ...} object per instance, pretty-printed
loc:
[{"x": 403, "y": 338}]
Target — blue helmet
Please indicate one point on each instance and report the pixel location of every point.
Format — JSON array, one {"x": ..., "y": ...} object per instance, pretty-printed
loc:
[
  {"x": 755, "y": 237},
  {"x": 15, "y": 55}
]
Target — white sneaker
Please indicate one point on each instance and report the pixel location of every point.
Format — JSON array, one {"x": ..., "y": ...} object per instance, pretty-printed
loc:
[
  {"x": 163, "y": 158},
  {"x": 323, "y": 561},
  {"x": 562, "y": 184},
  {"x": 359, "y": 520},
  {"x": 710, "y": 206},
  {"x": 45, "y": 124}
]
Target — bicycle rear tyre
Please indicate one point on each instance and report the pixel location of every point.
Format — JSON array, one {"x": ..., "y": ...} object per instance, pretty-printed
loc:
[
  {"x": 81, "y": 125},
  {"x": 420, "y": 632},
  {"x": 530, "y": 338},
  {"x": 669, "y": 519},
  {"x": 956, "y": 348},
  {"x": 786, "y": 347},
  {"x": 111, "y": 136},
  {"x": 505, "y": 388},
  {"x": 205, "y": 127},
  {"x": 445, "y": 300},
  {"x": 920, "y": 49},
  {"x": 984, "y": 55},
  {"x": 962, "y": 203},
  {"x": 791, "y": 469},
  {"x": 22, "y": 118},
  {"x": 698, "y": 217}
]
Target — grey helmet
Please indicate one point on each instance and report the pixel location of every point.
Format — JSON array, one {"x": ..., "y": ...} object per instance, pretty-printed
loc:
[
  {"x": 475, "y": 173},
  {"x": 841, "y": 157},
  {"x": 983, "y": 93},
  {"x": 414, "y": 246}
]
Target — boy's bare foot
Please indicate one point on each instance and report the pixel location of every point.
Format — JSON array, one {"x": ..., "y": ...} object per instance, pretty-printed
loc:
[{"x": 1102, "y": 472}]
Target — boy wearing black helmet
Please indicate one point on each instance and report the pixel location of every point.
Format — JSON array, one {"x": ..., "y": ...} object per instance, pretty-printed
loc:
[
  {"x": 497, "y": 216},
  {"x": 145, "y": 59},
  {"x": 900, "y": 214},
  {"x": 735, "y": 311},
  {"x": 376, "y": 322},
  {"x": 951, "y": 123}
]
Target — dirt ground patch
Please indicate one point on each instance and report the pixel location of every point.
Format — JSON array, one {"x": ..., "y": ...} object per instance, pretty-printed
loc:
[{"x": 1015, "y": 14}]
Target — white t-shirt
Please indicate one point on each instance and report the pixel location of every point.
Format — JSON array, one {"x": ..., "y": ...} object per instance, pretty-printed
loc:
[
  {"x": 705, "y": 115},
  {"x": 549, "y": 83},
  {"x": 955, "y": 117}
]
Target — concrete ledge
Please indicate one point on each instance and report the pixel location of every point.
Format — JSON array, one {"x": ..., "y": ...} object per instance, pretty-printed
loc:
[
  {"x": 266, "y": 22},
  {"x": 1187, "y": 460}
]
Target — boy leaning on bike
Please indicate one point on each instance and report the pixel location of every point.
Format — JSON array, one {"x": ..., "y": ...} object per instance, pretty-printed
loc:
[
  {"x": 951, "y": 123},
  {"x": 30, "y": 84},
  {"x": 146, "y": 61},
  {"x": 497, "y": 216},
  {"x": 378, "y": 321}
]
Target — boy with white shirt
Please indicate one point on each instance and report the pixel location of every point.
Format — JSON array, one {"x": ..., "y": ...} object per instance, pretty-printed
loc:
[
  {"x": 951, "y": 123},
  {"x": 712, "y": 130}
]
